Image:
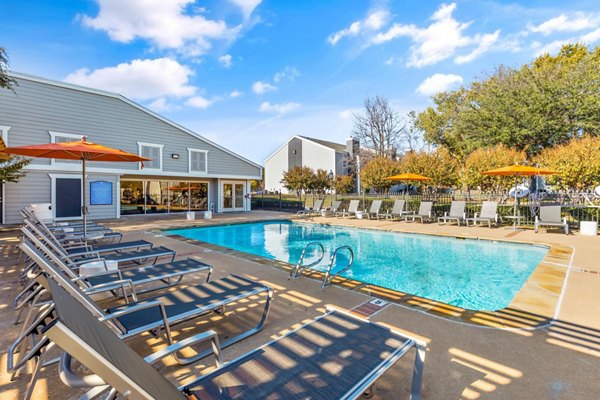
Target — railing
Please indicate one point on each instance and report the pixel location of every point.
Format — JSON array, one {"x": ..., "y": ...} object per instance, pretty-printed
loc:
[
  {"x": 296, "y": 272},
  {"x": 328, "y": 276}
]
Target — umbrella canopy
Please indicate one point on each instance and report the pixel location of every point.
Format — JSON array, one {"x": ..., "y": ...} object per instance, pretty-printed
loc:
[
  {"x": 519, "y": 170},
  {"x": 408, "y": 177},
  {"x": 79, "y": 150}
]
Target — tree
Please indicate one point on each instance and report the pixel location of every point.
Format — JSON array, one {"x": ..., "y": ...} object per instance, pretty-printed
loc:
[
  {"x": 11, "y": 167},
  {"x": 374, "y": 174},
  {"x": 298, "y": 179},
  {"x": 343, "y": 184},
  {"x": 490, "y": 158},
  {"x": 320, "y": 181},
  {"x": 438, "y": 165},
  {"x": 577, "y": 161},
  {"x": 380, "y": 129}
]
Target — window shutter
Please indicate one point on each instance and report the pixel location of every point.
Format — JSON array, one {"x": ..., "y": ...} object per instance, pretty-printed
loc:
[{"x": 202, "y": 162}]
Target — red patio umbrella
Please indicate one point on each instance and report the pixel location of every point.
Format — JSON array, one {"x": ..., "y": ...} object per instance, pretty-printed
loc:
[{"x": 78, "y": 150}]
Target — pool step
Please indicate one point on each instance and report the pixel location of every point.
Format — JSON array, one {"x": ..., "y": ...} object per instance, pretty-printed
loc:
[{"x": 371, "y": 307}]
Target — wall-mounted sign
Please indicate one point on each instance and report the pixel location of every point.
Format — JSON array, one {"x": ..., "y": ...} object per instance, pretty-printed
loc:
[{"x": 101, "y": 193}]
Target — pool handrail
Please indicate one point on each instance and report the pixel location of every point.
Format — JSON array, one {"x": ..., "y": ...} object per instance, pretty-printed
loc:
[
  {"x": 328, "y": 276},
  {"x": 296, "y": 271}
]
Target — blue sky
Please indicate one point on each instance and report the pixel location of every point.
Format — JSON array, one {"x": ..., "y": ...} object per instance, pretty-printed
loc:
[{"x": 249, "y": 74}]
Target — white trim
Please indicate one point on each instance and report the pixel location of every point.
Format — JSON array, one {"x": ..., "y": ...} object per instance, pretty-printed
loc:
[
  {"x": 190, "y": 151},
  {"x": 133, "y": 104},
  {"x": 53, "y": 135},
  {"x": 53, "y": 178},
  {"x": 145, "y": 144},
  {"x": 117, "y": 201},
  {"x": 4, "y": 132},
  {"x": 142, "y": 172}
]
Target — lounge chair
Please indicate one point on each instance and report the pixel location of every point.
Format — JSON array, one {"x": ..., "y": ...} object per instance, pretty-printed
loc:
[
  {"x": 314, "y": 210},
  {"x": 335, "y": 356},
  {"x": 398, "y": 210},
  {"x": 489, "y": 214},
  {"x": 424, "y": 212},
  {"x": 374, "y": 209},
  {"x": 331, "y": 211},
  {"x": 457, "y": 213},
  {"x": 163, "y": 311},
  {"x": 550, "y": 216},
  {"x": 352, "y": 209}
]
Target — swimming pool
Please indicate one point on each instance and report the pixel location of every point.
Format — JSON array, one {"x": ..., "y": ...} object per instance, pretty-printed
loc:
[{"x": 474, "y": 274}]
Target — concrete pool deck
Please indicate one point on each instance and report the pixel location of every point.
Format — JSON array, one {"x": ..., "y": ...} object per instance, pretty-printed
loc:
[{"x": 464, "y": 361}]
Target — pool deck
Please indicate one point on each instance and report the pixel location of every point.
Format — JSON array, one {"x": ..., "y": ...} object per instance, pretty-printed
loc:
[{"x": 520, "y": 354}]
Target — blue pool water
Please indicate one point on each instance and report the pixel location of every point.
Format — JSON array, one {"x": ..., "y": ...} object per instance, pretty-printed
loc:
[{"x": 474, "y": 274}]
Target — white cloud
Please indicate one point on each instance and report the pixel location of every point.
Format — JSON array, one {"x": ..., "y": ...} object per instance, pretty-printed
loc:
[
  {"x": 564, "y": 23},
  {"x": 550, "y": 48},
  {"x": 347, "y": 114},
  {"x": 287, "y": 73},
  {"x": 236, "y": 93},
  {"x": 440, "y": 40},
  {"x": 198, "y": 102},
  {"x": 246, "y": 6},
  {"x": 278, "y": 108},
  {"x": 160, "y": 105},
  {"x": 438, "y": 83},
  {"x": 373, "y": 22},
  {"x": 170, "y": 24},
  {"x": 260, "y": 87},
  {"x": 139, "y": 79},
  {"x": 591, "y": 37},
  {"x": 225, "y": 60}
]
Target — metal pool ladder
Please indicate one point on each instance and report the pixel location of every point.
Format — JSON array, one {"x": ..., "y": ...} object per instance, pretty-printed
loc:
[
  {"x": 296, "y": 272},
  {"x": 328, "y": 276}
]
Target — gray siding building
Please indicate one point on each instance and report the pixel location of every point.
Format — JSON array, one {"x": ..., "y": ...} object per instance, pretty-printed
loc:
[
  {"x": 187, "y": 171},
  {"x": 302, "y": 151}
]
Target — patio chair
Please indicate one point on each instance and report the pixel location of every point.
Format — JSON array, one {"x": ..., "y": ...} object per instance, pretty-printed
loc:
[
  {"x": 163, "y": 311},
  {"x": 94, "y": 235},
  {"x": 331, "y": 211},
  {"x": 398, "y": 210},
  {"x": 550, "y": 216},
  {"x": 351, "y": 211},
  {"x": 457, "y": 213},
  {"x": 374, "y": 209},
  {"x": 314, "y": 210},
  {"x": 489, "y": 214},
  {"x": 335, "y": 356},
  {"x": 424, "y": 212}
]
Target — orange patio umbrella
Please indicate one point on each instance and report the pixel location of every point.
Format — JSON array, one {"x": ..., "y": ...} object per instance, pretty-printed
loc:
[
  {"x": 407, "y": 176},
  {"x": 79, "y": 150},
  {"x": 517, "y": 170}
]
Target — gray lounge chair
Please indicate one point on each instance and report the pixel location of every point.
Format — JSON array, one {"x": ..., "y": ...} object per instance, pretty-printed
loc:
[
  {"x": 97, "y": 233},
  {"x": 336, "y": 356},
  {"x": 398, "y": 210},
  {"x": 550, "y": 216},
  {"x": 424, "y": 212},
  {"x": 457, "y": 213},
  {"x": 352, "y": 209},
  {"x": 333, "y": 209},
  {"x": 314, "y": 210},
  {"x": 374, "y": 209},
  {"x": 163, "y": 311},
  {"x": 489, "y": 214}
]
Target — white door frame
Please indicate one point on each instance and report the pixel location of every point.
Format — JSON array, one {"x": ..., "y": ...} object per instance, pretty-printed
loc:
[
  {"x": 53, "y": 178},
  {"x": 222, "y": 197}
]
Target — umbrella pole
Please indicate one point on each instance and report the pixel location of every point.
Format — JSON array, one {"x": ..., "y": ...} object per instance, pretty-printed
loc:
[
  {"x": 515, "y": 205},
  {"x": 84, "y": 208}
]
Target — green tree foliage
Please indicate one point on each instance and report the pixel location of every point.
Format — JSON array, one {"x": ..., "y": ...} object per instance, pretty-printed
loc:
[
  {"x": 577, "y": 161},
  {"x": 6, "y": 81},
  {"x": 298, "y": 179},
  {"x": 490, "y": 158},
  {"x": 374, "y": 174},
  {"x": 320, "y": 181},
  {"x": 540, "y": 105},
  {"x": 343, "y": 184},
  {"x": 438, "y": 165}
]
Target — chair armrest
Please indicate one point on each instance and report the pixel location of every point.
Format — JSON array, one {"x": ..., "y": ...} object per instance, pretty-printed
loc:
[
  {"x": 199, "y": 338},
  {"x": 71, "y": 379}
]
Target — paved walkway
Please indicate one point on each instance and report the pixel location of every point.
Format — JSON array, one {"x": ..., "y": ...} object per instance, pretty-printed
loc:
[{"x": 464, "y": 361}]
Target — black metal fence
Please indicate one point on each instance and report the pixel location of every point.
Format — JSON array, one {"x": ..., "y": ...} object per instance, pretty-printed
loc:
[{"x": 276, "y": 203}]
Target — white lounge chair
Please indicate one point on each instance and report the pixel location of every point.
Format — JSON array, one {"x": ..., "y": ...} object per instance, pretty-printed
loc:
[
  {"x": 374, "y": 209},
  {"x": 489, "y": 214},
  {"x": 425, "y": 212},
  {"x": 314, "y": 210},
  {"x": 550, "y": 216},
  {"x": 398, "y": 210},
  {"x": 331, "y": 211},
  {"x": 352, "y": 210},
  {"x": 457, "y": 213}
]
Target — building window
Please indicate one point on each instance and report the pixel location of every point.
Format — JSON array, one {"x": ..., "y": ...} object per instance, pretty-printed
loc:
[
  {"x": 4, "y": 134},
  {"x": 150, "y": 197},
  {"x": 198, "y": 160},
  {"x": 59, "y": 137},
  {"x": 152, "y": 151}
]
